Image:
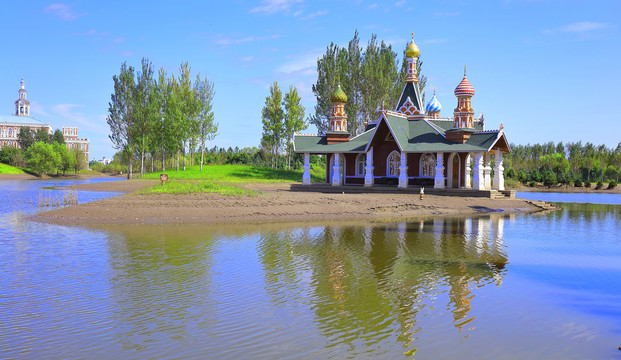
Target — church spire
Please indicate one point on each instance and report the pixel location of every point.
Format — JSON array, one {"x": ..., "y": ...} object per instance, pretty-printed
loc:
[
  {"x": 22, "y": 105},
  {"x": 410, "y": 102}
]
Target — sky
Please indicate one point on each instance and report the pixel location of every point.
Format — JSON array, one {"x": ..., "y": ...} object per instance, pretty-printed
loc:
[{"x": 547, "y": 69}]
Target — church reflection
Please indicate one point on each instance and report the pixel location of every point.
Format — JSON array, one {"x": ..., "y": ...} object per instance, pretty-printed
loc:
[{"x": 368, "y": 282}]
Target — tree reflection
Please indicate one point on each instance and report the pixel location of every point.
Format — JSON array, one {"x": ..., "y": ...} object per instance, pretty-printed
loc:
[{"x": 370, "y": 284}]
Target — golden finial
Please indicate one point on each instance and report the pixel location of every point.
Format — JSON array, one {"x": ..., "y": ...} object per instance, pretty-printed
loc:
[
  {"x": 434, "y": 90},
  {"x": 464, "y": 70}
]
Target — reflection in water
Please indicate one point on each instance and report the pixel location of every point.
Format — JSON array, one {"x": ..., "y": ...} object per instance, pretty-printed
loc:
[
  {"x": 370, "y": 282},
  {"x": 158, "y": 281},
  {"x": 436, "y": 288}
]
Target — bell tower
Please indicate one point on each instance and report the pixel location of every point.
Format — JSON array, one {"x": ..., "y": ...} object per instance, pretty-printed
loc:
[
  {"x": 337, "y": 132},
  {"x": 22, "y": 105},
  {"x": 463, "y": 121}
]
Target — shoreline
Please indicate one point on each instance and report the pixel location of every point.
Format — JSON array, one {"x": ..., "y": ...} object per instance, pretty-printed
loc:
[{"x": 275, "y": 203}]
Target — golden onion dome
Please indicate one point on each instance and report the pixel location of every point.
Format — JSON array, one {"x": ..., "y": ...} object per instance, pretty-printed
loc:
[
  {"x": 338, "y": 96},
  {"x": 412, "y": 50}
]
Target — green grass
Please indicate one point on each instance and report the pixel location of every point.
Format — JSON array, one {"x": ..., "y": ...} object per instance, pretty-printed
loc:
[
  {"x": 195, "y": 186},
  {"x": 8, "y": 169},
  {"x": 221, "y": 179},
  {"x": 237, "y": 174}
]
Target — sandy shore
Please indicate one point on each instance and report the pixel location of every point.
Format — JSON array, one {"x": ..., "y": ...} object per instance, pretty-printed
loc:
[{"x": 275, "y": 204}]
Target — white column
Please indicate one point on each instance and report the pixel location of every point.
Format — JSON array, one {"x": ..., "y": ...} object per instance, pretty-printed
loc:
[
  {"x": 336, "y": 170},
  {"x": 403, "y": 171},
  {"x": 477, "y": 178},
  {"x": 368, "y": 169},
  {"x": 306, "y": 178},
  {"x": 487, "y": 171},
  {"x": 439, "y": 178},
  {"x": 499, "y": 177},
  {"x": 467, "y": 183}
]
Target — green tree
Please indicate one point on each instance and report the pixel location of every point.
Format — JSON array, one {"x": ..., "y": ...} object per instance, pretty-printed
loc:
[
  {"x": 25, "y": 138},
  {"x": 42, "y": 135},
  {"x": 294, "y": 119},
  {"x": 368, "y": 78},
  {"x": 42, "y": 158},
  {"x": 272, "y": 117},
  {"x": 207, "y": 127},
  {"x": 66, "y": 158},
  {"x": 80, "y": 160},
  {"x": 121, "y": 116},
  {"x": 146, "y": 108},
  {"x": 58, "y": 137}
]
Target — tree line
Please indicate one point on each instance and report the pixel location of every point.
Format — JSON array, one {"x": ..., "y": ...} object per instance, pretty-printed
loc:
[
  {"x": 568, "y": 163},
  {"x": 43, "y": 153},
  {"x": 163, "y": 116}
]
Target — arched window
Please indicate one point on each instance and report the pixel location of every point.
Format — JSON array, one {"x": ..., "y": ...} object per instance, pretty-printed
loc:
[
  {"x": 427, "y": 165},
  {"x": 392, "y": 164},
  {"x": 10, "y": 132},
  {"x": 361, "y": 163}
]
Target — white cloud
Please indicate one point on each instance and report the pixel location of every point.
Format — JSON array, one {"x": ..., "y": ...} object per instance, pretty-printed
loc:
[
  {"x": 315, "y": 14},
  {"x": 273, "y": 6},
  {"x": 583, "y": 26},
  {"x": 234, "y": 41},
  {"x": 70, "y": 117},
  {"x": 303, "y": 65},
  {"x": 62, "y": 11},
  {"x": 400, "y": 3},
  {"x": 372, "y": 6}
]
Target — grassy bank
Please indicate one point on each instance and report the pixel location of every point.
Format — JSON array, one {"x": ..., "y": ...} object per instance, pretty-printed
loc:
[
  {"x": 222, "y": 179},
  {"x": 8, "y": 169},
  {"x": 236, "y": 174}
]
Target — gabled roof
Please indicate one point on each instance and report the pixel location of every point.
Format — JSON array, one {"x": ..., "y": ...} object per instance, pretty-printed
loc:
[
  {"x": 409, "y": 90},
  {"x": 419, "y": 136},
  {"x": 317, "y": 143}
]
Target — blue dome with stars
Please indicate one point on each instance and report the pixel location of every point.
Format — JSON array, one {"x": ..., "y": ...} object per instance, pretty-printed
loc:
[{"x": 433, "y": 105}]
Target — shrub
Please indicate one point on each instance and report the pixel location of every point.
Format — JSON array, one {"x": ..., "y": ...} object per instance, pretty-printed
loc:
[
  {"x": 532, "y": 184},
  {"x": 521, "y": 176},
  {"x": 549, "y": 179},
  {"x": 599, "y": 185},
  {"x": 510, "y": 173},
  {"x": 578, "y": 183},
  {"x": 587, "y": 184},
  {"x": 612, "y": 184}
]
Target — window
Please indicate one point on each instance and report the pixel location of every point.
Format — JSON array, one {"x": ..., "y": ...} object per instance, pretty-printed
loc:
[
  {"x": 361, "y": 163},
  {"x": 392, "y": 164},
  {"x": 427, "y": 165}
]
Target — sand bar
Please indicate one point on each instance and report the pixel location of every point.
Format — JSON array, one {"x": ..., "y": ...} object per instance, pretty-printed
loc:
[{"x": 275, "y": 203}]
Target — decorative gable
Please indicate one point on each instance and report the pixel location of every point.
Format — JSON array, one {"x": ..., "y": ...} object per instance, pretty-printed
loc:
[{"x": 408, "y": 108}]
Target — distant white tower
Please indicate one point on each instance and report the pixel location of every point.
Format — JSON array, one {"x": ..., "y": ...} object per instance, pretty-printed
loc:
[{"x": 22, "y": 105}]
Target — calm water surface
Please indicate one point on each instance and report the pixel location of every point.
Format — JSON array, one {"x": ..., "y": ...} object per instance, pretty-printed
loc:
[{"x": 538, "y": 286}]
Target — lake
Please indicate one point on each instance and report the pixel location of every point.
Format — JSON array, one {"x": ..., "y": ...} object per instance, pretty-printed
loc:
[{"x": 499, "y": 286}]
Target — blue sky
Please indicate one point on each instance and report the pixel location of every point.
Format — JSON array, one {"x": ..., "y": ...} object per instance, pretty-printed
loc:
[{"x": 549, "y": 70}]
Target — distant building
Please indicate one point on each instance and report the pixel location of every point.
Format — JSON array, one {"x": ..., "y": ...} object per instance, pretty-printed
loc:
[
  {"x": 104, "y": 161},
  {"x": 10, "y": 126}
]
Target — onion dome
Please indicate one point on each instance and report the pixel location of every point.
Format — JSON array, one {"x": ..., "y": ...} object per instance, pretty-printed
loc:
[
  {"x": 412, "y": 50},
  {"x": 338, "y": 96},
  {"x": 464, "y": 88},
  {"x": 433, "y": 105}
]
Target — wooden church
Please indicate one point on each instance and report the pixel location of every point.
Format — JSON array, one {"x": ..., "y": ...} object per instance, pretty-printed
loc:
[{"x": 412, "y": 145}]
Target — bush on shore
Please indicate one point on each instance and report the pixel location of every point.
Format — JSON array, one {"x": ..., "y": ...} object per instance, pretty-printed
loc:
[{"x": 612, "y": 184}]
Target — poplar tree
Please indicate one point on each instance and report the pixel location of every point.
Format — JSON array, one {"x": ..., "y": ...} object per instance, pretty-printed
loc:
[
  {"x": 293, "y": 119},
  {"x": 207, "y": 128},
  {"x": 272, "y": 117},
  {"x": 368, "y": 77},
  {"x": 121, "y": 116}
]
